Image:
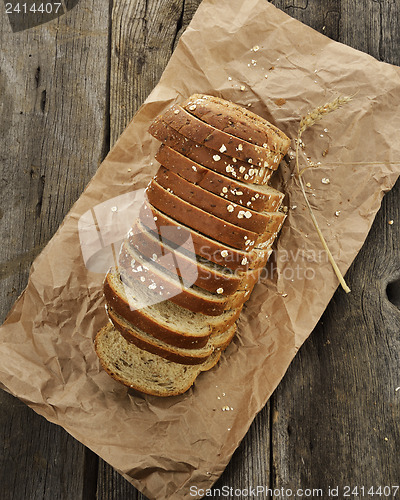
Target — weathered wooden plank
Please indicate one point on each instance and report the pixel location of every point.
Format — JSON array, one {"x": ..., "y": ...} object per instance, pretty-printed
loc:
[
  {"x": 38, "y": 461},
  {"x": 362, "y": 26},
  {"x": 250, "y": 465},
  {"x": 53, "y": 134},
  {"x": 337, "y": 409},
  {"x": 336, "y": 412},
  {"x": 144, "y": 34},
  {"x": 322, "y": 16},
  {"x": 112, "y": 486}
]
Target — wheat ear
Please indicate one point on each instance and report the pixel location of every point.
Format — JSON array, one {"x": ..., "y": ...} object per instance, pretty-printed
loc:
[{"x": 307, "y": 121}]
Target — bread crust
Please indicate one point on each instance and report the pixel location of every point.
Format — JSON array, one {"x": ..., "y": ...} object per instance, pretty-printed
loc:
[
  {"x": 202, "y": 155},
  {"x": 184, "y": 356},
  {"x": 213, "y": 154},
  {"x": 148, "y": 324},
  {"x": 168, "y": 333},
  {"x": 246, "y": 195},
  {"x": 210, "y": 203}
]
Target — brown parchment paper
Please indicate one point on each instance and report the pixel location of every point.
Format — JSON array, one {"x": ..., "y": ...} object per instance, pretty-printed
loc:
[{"x": 164, "y": 446}]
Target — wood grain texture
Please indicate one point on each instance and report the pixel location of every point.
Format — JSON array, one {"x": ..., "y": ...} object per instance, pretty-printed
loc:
[
  {"x": 112, "y": 486},
  {"x": 338, "y": 422},
  {"x": 144, "y": 34},
  {"x": 39, "y": 461},
  {"x": 250, "y": 465},
  {"x": 54, "y": 96}
]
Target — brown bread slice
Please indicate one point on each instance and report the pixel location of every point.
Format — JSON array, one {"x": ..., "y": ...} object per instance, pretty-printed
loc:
[
  {"x": 238, "y": 121},
  {"x": 246, "y": 218},
  {"x": 258, "y": 198},
  {"x": 167, "y": 286},
  {"x": 142, "y": 370},
  {"x": 231, "y": 167},
  {"x": 204, "y": 246},
  {"x": 209, "y": 224},
  {"x": 164, "y": 320},
  {"x": 194, "y": 356},
  {"x": 217, "y": 140},
  {"x": 184, "y": 263}
]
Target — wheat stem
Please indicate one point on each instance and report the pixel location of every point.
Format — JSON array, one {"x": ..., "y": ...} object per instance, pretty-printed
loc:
[
  {"x": 323, "y": 241},
  {"x": 307, "y": 168},
  {"x": 308, "y": 121}
]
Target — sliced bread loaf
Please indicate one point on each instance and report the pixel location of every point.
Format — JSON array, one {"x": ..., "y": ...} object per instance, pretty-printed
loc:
[
  {"x": 164, "y": 320},
  {"x": 202, "y": 155},
  {"x": 142, "y": 370},
  {"x": 191, "y": 127},
  {"x": 204, "y": 246},
  {"x": 258, "y": 222},
  {"x": 164, "y": 328},
  {"x": 259, "y": 198},
  {"x": 238, "y": 121}
]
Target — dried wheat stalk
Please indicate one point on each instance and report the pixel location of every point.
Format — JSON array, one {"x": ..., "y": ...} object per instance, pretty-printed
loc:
[
  {"x": 308, "y": 121},
  {"x": 317, "y": 114}
]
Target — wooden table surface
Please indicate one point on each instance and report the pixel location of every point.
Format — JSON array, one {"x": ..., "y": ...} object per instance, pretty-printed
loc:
[{"x": 68, "y": 89}]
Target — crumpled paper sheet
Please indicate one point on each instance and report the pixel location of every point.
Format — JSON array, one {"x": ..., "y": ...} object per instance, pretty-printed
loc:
[{"x": 164, "y": 446}]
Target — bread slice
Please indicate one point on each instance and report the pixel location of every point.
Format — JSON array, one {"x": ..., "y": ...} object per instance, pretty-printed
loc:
[
  {"x": 258, "y": 222},
  {"x": 181, "y": 260},
  {"x": 193, "y": 356},
  {"x": 238, "y": 121},
  {"x": 167, "y": 286},
  {"x": 231, "y": 167},
  {"x": 209, "y": 224},
  {"x": 191, "y": 127},
  {"x": 142, "y": 370},
  {"x": 204, "y": 246},
  {"x": 258, "y": 198},
  {"x": 166, "y": 321}
]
